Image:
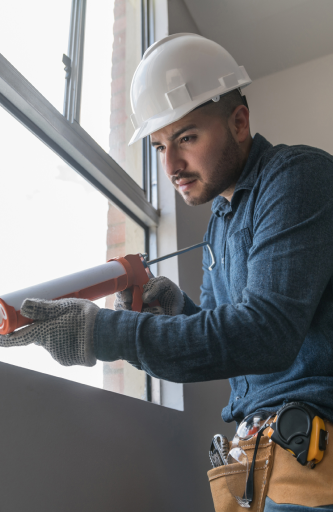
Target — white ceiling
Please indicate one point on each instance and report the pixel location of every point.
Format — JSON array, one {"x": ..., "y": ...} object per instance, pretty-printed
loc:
[{"x": 263, "y": 35}]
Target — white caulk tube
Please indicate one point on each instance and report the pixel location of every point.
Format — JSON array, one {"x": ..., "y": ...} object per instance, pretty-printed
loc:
[
  {"x": 66, "y": 285},
  {"x": 91, "y": 284}
]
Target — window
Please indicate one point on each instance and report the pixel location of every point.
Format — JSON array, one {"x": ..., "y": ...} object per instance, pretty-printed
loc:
[
  {"x": 34, "y": 44},
  {"x": 63, "y": 173},
  {"x": 57, "y": 224}
]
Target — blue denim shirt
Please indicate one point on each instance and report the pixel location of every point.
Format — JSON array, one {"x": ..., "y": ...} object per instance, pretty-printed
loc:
[{"x": 266, "y": 315}]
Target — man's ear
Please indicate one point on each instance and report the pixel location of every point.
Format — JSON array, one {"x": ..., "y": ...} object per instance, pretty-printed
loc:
[{"x": 239, "y": 123}]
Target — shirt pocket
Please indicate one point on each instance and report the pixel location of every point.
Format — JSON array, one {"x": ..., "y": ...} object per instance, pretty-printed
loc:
[{"x": 238, "y": 246}]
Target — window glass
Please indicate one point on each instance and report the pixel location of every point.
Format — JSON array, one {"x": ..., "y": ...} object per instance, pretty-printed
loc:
[
  {"x": 33, "y": 38},
  {"x": 112, "y": 52},
  {"x": 54, "y": 223}
]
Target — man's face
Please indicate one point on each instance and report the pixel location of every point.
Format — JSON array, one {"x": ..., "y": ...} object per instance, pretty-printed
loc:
[{"x": 200, "y": 156}]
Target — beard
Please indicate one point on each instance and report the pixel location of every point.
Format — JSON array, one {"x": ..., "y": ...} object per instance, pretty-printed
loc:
[{"x": 225, "y": 173}]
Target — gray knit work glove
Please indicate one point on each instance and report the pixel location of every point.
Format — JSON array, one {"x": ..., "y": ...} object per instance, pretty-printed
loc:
[
  {"x": 63, "y": 327},
  {"x": 168, "y": 294},
  {"x": 123, "y": 301}
]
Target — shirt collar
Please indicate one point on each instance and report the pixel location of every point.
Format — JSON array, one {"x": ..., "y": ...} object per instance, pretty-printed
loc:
[{"x": 249, "y": 174}]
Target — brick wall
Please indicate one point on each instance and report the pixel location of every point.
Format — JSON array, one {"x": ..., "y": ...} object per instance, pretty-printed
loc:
[
  {"x": 118, "y": 86},
  {"x": 124, "y": 236},
  {"x": 113, "y": 373}
]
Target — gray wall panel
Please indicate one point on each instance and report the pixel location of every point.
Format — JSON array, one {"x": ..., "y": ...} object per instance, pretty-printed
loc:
[{"x": 70, "y": 447}]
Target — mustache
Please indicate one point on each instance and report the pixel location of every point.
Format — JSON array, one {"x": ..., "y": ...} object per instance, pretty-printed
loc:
[{"x": 185, "y": 175}]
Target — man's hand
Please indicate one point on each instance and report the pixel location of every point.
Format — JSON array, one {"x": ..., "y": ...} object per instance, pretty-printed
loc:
[
  {"x": 123, "y": 301},
  {"x": 63, "y": 327},
  {"x": 168, "y": 294}
]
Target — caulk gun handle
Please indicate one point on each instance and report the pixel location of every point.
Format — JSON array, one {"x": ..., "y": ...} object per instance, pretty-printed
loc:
[
  {"x": 137, "y": 290},
  {"x": 138, "y": 274},
  {"x": 137, "y": 303}
]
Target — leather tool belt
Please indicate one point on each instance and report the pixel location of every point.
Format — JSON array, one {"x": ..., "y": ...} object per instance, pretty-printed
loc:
[{"x": 278, "y": 475}]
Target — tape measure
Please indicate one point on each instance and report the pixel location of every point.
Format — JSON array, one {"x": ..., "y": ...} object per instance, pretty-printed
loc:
[{"x": 301, "y": 432}]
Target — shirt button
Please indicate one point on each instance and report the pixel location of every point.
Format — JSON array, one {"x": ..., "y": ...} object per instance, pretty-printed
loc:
[
  {"x": 238, "y": 397},
  {"x": 229, "y": 216}
]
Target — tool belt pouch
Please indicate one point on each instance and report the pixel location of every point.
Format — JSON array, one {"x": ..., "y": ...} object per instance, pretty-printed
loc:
[{"x": 222, "y": 497}]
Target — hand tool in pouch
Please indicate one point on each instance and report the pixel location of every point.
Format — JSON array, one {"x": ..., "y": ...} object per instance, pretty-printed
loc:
[{"x": 218, "y": 453}]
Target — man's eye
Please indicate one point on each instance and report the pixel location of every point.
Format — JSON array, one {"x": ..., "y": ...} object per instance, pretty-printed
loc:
[
  {"x": 187, "y": 138},
  {"x": 159, "y": 149}
]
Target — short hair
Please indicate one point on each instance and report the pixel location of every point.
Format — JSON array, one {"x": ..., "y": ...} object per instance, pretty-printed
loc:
[{"x": 226, "y": 104}]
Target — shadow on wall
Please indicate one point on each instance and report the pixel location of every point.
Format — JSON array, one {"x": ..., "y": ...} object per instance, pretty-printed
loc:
[{"x": 180, "y": 18}]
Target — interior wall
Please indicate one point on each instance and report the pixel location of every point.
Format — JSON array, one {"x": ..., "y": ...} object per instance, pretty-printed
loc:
[
  {"x": 180, "y": 18},
  {"x": 295, "y": 106}
]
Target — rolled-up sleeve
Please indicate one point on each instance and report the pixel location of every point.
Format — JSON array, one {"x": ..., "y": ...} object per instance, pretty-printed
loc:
[{"x": 289, "y": 266}]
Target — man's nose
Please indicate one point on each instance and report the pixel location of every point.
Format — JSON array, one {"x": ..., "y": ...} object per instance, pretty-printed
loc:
[{"x": 173, "y": 164}]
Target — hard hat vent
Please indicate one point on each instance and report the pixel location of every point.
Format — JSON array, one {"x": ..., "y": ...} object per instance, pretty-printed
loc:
[{"x": 178, "y": 96}]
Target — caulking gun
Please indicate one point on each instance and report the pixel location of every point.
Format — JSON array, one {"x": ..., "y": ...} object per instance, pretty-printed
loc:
[{"x": 131, "y": 271}]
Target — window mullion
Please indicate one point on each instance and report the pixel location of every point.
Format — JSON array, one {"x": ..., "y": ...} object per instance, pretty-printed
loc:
[
  {"x": 73, "y": 88},
  {"x": 149, "y": 168}
]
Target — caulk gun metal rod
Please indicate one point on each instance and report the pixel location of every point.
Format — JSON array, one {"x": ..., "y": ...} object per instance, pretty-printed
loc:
[{"x": 151, "y": 262}]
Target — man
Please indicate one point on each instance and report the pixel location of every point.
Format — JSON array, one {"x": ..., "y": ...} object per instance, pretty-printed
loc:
[{"x": 266, "y": 318}]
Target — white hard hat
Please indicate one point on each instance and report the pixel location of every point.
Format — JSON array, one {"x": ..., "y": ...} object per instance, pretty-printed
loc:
[{"x": 176, "y": 75}]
